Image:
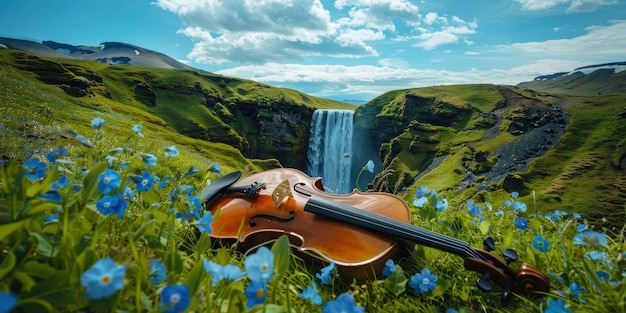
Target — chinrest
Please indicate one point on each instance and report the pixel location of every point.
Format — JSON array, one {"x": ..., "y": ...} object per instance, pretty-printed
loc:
[{"x": 219, "y": 186}]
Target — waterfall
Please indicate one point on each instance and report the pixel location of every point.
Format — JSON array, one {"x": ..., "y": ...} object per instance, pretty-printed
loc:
[{"x": 330, "y": 149}]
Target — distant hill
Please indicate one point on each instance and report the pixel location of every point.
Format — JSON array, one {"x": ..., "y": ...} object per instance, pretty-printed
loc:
[
  {"x": 106, "y": 52},
  {"x": 607, "y": 78}
]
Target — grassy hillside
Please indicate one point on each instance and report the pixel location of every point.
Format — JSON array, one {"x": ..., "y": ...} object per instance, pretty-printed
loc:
[
  {"x": 211, "y": 116},
  {"x": 484, "y": 141}
]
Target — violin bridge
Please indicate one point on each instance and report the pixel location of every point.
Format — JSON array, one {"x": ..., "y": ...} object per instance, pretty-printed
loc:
[{"x": 281, "y": 193}]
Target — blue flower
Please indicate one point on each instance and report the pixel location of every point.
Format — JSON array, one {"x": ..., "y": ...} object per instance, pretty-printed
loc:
[
  {"x": 55, "y": 154},
  {"x": 474, "y": 210},
  {"x": 581, "y": 228},
  {"x": 8, "y": 300},
  {"x": 499, "y": 213},
  {"x": 575, "y": 289},
  {"x": 557, "y": 306},
  {"x": 576, "y": 215},
  {"x": 51, "y": 218},
  {"x": 171, "y": 151},
  {"x": 229, "y": 272},
  {"x": 103, "y": 279},
  {"x": 452, "y": 310},
  {"x": 158, "y": 273},
  {"x": 521, "y": 223},
  {"x": 97, "y": 123},
  {"x": 260, "y": 265},
  {"x": 137, "y": 130},
  {"x": 540, "y": 243},
  {"x": 114, "y": 204},
  {"x": 343, "y": 304},
  {"x": 34, "y": 169},
  {"x": 143, "y": 182},
  {"x": 369, "y": 166},
  {"x": 519, "y": 206},
  {"x": 110, "y": 159},
  {"x": 325, "y": 274},
  {"x": 389, "y": 267},
  {"x": 311, "y": 293},
  {"x": 514, "y": 194},
  {"x": 174, "y": 298},
  {"x": 421, "y": 191},
  {"x": 256, "y": 293},
  {"x": 204, "y": 224},
  {"x": 84, "y": 141},
  {"x": 590, "y": 238},
  {"x": 109, "y": 181},
  {"x": 215, "y": 168},
  {"x": 440, "y": 205},
  {"x": 163, "y": 182},
  {"x": 420, "y": 197},
  {"x": 128, "y": 194},
  {"x": 148, "y": 159},
  {"x": 192, "y": 171},
  {"x": 596, "y": 256},
  {"x": 423, "y": 282}
]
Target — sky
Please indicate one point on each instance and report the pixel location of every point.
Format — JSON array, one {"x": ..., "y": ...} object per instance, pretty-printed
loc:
[{"x": 343, "y": 49}]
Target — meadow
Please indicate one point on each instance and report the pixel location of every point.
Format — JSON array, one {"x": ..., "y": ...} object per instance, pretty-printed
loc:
[{"x": 112, "y": 222}]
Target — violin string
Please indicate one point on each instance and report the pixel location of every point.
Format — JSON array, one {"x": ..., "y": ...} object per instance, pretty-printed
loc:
[{"x": 375, "y": 221}]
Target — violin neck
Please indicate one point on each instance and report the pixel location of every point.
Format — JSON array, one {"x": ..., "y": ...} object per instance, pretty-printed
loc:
[{"x": 376, "y": 222}]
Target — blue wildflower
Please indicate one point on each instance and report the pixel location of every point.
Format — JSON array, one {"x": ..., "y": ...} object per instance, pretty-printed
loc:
[
  {"x": 499, "y": 213},
  {"x": 143, "y": 182},
  {"x": 260, "y": 265},
  {"x": 215, "y": 168},
  {"x": 576, "y": 215},
  {"x": 451, "y": 310},
  {"x": 148, "y": 159},
  {"x": 343, "y": 304},
  {"x": 53, "y": 193},
  {"x": 8, "y": 300},
  {"x": 540, "y": 243},
  {"x": 581, "y": 228},
  {"x": 34, "y": 169},
  {"x": 519, "y": 206},
  {"x": 312, "y": 294},
  {"x": 421, "y": 191},
  {"x": 557, "y": 306},
  {"x": 474, "y": 210},
  {"x": 51, "y": 218},
  {"x": 137, "y": 130},
  {"x": 602, "y": 275},
  {"x": 590, "y": 238},
  {"x": 174, "y": 298},
  {"x": 420, "y": 196},
  {"x": 163, "y": 182},
  {"x": 575, "y": 289},
  {"x": 110, "y": 159},
  {"x": 55, "y": 154},
  {"x": 521, "y": 223},
  {"x": 128, "y": 194},
  {"x": 204, "y": 224},
  {"x": 423, "y": 282},
  {"x": 103, "y": 279},
  {"x": 158, "y": 273},
  {"x": 228, "y": 272},
  {"x": 109, "y": 181},
  {"x": 116, "y": 151},
  {"x": 256, "y": 293},
  {"x": 325, "y": 274},
  {"x": 514, "y": 194},
  {"x": 508, "y": 203},
  {"x": 389, "y": 267},
  {"x": 114, "y": 204},
  {"x": 596, "y": 256},
  {"x": 171, "y": 151},
  {"x": 83, "y": 140},
  {"x": 97, "y": 123},
  {"x": 369, "y": 166},
  {"x": 192, "y": 171}
]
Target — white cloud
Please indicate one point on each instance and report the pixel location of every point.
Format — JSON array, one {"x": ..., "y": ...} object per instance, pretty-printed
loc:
[{"x": 575, "y": 5}]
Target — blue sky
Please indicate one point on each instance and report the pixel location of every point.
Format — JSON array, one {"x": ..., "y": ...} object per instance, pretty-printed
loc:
[{"x": 343, "y": 49}]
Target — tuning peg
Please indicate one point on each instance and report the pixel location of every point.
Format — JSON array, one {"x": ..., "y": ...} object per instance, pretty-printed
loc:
[
  {"x": 509, "y": 255},
  {"x": 488, "y": 244},
  {"x": 484, "y": 282},
  {"x": 506, "y": 296}
]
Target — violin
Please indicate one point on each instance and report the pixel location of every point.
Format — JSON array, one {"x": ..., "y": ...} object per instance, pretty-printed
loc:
[{"x": 359, "y": 231}]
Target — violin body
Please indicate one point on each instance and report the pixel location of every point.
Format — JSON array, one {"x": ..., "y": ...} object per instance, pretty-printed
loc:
[
  {"x": 277, "y": 209},
  {"x": 359, "y": 231}
]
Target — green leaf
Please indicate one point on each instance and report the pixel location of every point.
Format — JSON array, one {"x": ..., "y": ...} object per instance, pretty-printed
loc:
[
  {"x": 237, "y": 302},
  {"x": 194, "y": 278},
  {"x": 27, "y": 282},
  {"x": 6, "y": 229},
  {"x": 151, "y": 196},
  {"x": 396, "y": 282},
  {"x": 268, "y": 308},
  {"x": 57, "y": 290},
  {"x": 7, "y": 265},
  {"x": 281, "y": 250},
  {"x": 484, "y": 227},
  {"x": 42, "y": 207},
  {"x": 47, "y": 244},
  {"x": 427, "y": 212},
  {"x": 204, "y": 243}
]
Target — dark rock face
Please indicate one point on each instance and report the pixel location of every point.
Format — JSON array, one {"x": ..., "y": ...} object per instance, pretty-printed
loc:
[{"x": 145, "y": 94}]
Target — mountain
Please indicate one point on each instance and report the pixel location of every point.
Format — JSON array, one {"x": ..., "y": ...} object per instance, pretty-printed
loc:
[
  {"x": 106, "y": 52},
  {"x": 607, "y": 78}
]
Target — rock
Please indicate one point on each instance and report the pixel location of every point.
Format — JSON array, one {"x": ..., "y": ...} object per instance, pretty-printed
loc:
[
  {"x": 146, "y": 94},
  {"x": 513, "y": 182}
]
